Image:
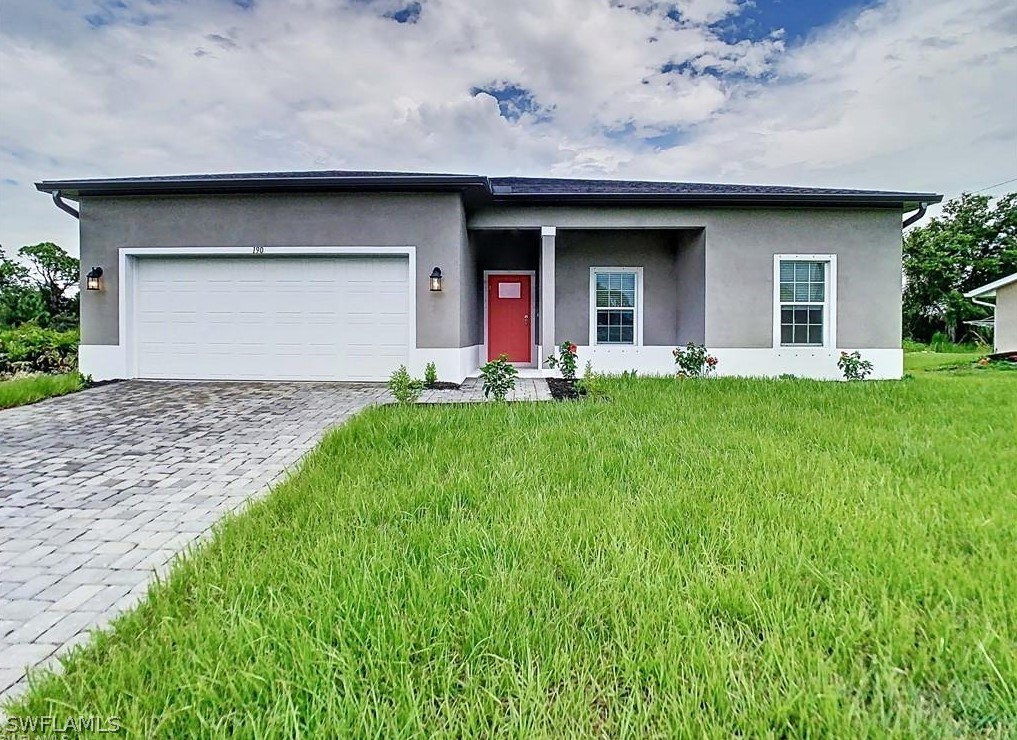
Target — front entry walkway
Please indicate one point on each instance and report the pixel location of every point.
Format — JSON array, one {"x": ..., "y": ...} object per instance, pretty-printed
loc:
[
  {"x": 101, "y": 488},
  {"x": 472, "y": 391}
]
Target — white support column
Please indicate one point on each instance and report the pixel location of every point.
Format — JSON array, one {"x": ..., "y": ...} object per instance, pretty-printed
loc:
[{"x": 547, "y": 237}]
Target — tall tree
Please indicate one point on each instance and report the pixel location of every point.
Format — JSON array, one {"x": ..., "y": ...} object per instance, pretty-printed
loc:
[
  {"x": 55, "y": 272},
  {"x": 39, "y": 287},
  {"x": 20, "y": 301},
  {"x": 971, "y": 243}
]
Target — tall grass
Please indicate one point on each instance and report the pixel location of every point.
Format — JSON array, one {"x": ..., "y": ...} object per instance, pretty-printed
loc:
[
  {"x": 940, "y": 342},
  {"x": 32, "y": 388},
  {"x": 715, "y": 558}
]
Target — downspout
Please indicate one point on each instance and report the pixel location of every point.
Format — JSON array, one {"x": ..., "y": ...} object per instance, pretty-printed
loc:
[
  {"x": 917, "y": 216},
  {"x": 59, "y": 201}
]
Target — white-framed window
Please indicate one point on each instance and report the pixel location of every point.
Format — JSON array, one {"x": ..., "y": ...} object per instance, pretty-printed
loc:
[
  {"x": 805, "y": 305},
  {"x": 616, "y": 305}
]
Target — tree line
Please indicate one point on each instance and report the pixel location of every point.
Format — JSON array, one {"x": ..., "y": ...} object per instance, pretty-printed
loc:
[
  {"x": 970, "y": 244},
  {"x": 39, "y": 288}
]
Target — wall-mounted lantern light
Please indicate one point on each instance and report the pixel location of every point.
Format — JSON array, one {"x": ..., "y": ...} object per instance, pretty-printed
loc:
[
  {"x": 93, "y": 280},
  {"x": 436, "y": 279}
]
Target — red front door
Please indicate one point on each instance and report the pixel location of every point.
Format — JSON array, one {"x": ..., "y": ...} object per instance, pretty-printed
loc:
[{"x": 508, "y": 318}]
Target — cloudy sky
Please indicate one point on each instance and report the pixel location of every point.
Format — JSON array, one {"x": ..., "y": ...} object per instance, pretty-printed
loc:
[{"x": 898, "y": 94}]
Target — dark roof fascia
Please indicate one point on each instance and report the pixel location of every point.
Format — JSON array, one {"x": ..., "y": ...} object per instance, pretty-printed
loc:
[
  {"x": 907, "y": 201},
  {"x": 74, "y": 189},
  {"x": 476, "y": 189}
]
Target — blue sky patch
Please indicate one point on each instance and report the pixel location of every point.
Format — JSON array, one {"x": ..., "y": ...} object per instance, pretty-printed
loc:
[
  {"x": 667, "y": 138},
  {"x": 798, "y": 18},
  {"x": 119, "y": 11},
  {"x": 623, "y": 132},
  {"x": 409, "y": 14},
  {"x": 514, "y": 101},
  {"x": 671, "y": 137}
]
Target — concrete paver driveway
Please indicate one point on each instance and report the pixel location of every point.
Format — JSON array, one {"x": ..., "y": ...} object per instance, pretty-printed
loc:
[{"x": 99, "y": 489}]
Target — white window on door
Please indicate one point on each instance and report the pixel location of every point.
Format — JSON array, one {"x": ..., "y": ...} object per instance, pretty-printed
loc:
[
  {"x": 804, "y": 301},
  {"x": 510, "y": 290},
  {"x": 615, "y": 305}
]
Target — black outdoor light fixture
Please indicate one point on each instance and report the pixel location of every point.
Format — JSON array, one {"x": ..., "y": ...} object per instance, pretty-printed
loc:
[
  {"x": 93, "y": 280},
  {"x": 436, "y": 279}
]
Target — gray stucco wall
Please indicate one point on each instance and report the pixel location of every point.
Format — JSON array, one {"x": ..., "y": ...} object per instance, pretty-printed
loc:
[
  {"x": 1005, "y": 332},
  {"x": 733, "y": 248},
  {"x": 690, "y": 266},
  {"x": 471, "y": 307},
  {"x": 739, "y": 249},
  {"x": 669, "y": 317},
  {"x": 433, "y": 223}
]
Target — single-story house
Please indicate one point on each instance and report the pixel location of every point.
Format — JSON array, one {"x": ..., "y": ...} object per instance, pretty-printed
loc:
[
  {"x": 346, "y": 275},
  {"x": 1003, "y": 293}
]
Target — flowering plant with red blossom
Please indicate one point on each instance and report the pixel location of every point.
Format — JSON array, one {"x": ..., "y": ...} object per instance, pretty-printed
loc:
[
  {"x": 565, "y": 361},
  {"x": 694, "y": 361}
]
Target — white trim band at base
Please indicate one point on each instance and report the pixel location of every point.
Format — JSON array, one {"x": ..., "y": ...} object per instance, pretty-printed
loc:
[
  {"x": 109, "y": 362},
  {"x": 453, "y": 365},
  {"x": 818, "y": 363},
  {"x": 102, "y": 361}
]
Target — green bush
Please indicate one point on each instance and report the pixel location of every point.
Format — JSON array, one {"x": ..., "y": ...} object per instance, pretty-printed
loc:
[
  {"x": 32, "y": 349},
  {"x": 592, "y": 383},
  {"x": 694, "y": 361},
  {"x": 404, "y": 387},
  {"x": 499, "y": 377},
  {"x": 853, "y": 366},
  {"x": 430, "y": 374}
]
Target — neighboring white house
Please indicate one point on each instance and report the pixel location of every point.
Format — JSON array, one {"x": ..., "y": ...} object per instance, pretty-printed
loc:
[{"x": 1003, "y": 294}]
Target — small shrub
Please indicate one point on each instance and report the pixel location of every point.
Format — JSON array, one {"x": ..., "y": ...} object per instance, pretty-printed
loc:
[
  {"x": 33, "y": 349},
  {"x": 404, "y": 387},
  {"x": 565, "y": 361},
  {"x": 592, "y": 383},
  {"x": 430, "y": 374},
  {"x": 853, "y": 366},
  {"x": 694, "y": 361},
  {"x": 499, "y": 377}
]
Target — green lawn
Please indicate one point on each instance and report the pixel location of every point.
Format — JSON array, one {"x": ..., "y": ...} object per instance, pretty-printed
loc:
[
  {"x": 32, "y": 388},
  {"x": 712, "y": 558}
]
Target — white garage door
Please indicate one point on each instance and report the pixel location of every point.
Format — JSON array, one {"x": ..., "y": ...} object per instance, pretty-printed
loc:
[{"x": 270, "y": 318}]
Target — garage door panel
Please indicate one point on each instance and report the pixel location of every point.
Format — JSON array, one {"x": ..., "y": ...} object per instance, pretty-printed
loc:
[{"x": 327, "y": 318}]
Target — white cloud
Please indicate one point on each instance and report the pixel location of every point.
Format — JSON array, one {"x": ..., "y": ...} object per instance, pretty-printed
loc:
[{"x": 907, "y": 94}]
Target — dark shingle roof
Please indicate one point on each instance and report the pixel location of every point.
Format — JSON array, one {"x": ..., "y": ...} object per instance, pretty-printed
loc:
[
  {"x": 483, "y": 189},
  {"x": 558, "y": 186}
]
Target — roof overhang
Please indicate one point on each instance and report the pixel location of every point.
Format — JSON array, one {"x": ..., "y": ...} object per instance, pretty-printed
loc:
[
  {"x": 475, "y": 190},
  {"x": 218, "y": 185},
  {"x": 989, "y": 290},
  {"x": 904, "y": 202}
]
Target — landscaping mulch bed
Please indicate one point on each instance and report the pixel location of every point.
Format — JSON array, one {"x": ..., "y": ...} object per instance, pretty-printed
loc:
[
  {"x": 442, "y": 385},
  {"x": 564, "y": 390}
]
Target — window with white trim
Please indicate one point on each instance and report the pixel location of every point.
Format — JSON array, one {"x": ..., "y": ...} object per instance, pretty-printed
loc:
[
  {"x": 615, "y": 305},
  {"x": 804, "y": 302}
]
